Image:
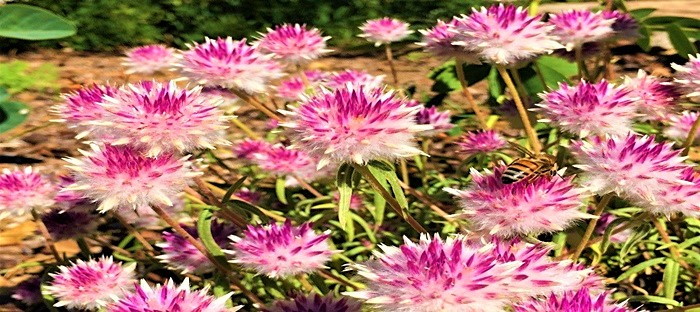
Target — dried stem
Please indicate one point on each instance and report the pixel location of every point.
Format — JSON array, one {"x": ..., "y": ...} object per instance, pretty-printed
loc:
[
  {"x": 329, "y": 275},
  {"x": 133, "y": 231},
  {"x": 255, "y": 103},
  {"x": 675, "y": 254},
  {"x": 471, "y": 102},
  {"x": 404, "y": 170},
  {"x": 520, "y": 85},
  {"x": 390, "y": 59},
  {"x": 205, "y": 189},
  {"x": 389, "y": 199},
  {"x": 307, "y": 186},
  {"x": 591, "y": 225},
  {"x": 245, "y": 129},
  {"x": 427, "y": 201},
  {"x": 691, "y": 137},
  {"x": 48, "y": 240},
  {"x": 529, "y": 130}
]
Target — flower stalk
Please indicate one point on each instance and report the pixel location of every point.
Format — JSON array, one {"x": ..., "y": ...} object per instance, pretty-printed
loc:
[{"x": 529, "y": 130}]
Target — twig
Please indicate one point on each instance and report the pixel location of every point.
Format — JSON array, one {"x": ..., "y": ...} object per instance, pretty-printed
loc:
[
  {"x": 591, "y": 225},
  {"x": 134, "y": 232},
  {"x": 471, "y": 102},
  {"x": 529, "y": 130},
  {"x": 48, "y": 240}
]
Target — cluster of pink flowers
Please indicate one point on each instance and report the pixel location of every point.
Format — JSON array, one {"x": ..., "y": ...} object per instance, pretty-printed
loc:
[
  {"x": 282, "y": 161},
  {"x": 656, "y": 99}
]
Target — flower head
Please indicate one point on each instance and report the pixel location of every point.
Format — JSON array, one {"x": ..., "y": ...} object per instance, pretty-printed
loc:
[
  {"x": 294, "y": 43},
  {"x": 279, "y": 250},
  {"x": 149, "y": 59},
  {"x": 91, "y": 285},
  {"x": 280, "y": 160},
  {"x": 485, "y": 141},
  {"x": 355, "y": 124},
  {"x": 505, "y": 34},
  {"x": 679, "y": 126},
  {"x": 356, "y": 77},
  {"x": 576, "y": 27},
  {"x": 440, "y": 121},
  {"x": 385, "y": 30},
  {"x": 435, "y": 275},
  {"x": 439, "y": 41},
  {"x": 573, "y": 301},
  {"x": 248, "y": 148},
  {"x": 28, "y": 291},
  {"x": 122, "y": 176},
  {"x": 625, "y": 26},
  {"x": 673, "y": 198},
  {"x": 83, "y": 105},
  {"x": 70, "y": 223},
  {"x": 656, "y": 99},
  {"x": 293, "y": 88},
  {"x": 181, "y": 255},
  {"x": 590, "y": 108},
  {"x": 633, "y": 167},
  {"x": 170, "y": 297},
  {"x": 688, "y": 76},
  {"x": 315, "y": 303},
  {"x": 24, "y": 190},
  {"x": 231, "y": 64},
  {"x": 163, "y": 118},
  {"x": 247, "y": 195},
  {"x": 544, "y": 204}
]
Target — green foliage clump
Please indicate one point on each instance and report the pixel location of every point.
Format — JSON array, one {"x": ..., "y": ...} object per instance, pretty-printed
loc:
[{"x": 17, "y": 76}]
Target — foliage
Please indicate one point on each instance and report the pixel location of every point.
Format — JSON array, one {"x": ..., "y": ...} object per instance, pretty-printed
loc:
[
  {"x": 31, "y": 23},
  {"x": 17, "y": 76}
]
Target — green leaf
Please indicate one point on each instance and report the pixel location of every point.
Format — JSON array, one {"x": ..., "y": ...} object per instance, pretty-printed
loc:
[
  {"x": 670, "y": 278},
  {"x": 644, "y": 40},
  {"x": 605, "y": 243},
  {"x": 379, "y": 208},
  {"x": 556, "y": 70},
  {"x": 204, "y": 231},
  {"x": 27, "y": 22},
  {"x": 655, "y": 299},
  {"x": 280, "y": 190},
  {"x": 689, "y": 242},
  {"x": 12, "y": 114},
  {"x": 385, "y": 172},
  {"x": 344, "y": 183},
  {"x": 232, "y": 189},
  {"x": 680, "y": 41},
  {"x": 638, "y": 268},
  {"x": 685, "y": 22},
  {"x": 445, "y": 76},
  {"x": 636, "y": 238},
  {"x": 640, "y": 14},
  {"x": 365, "y": 226},
  {"x": 496, "y": 84}
]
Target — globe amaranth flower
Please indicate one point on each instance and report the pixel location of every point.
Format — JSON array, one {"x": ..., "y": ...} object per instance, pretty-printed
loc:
[
  {"x": 677, "y": 198},
  {"x": 679, "y": 126},
  {"x": 118, "y": 176},
  {"x": 170, "y": 297},
  {"x": 435, "y": 275},
  {"x": 229, "y": 101},
  {"x": 439, "y": 41},
  {"x": 582, "y": 300},
  {"x": 633, "y": 167},
  {"x": 314, "y": 303},
  {"x": 656, "y": 99},
  {"x": 163, "y": 118},
  {"x": 505, "y": 34},
  {"x": 280, "y": 250},
  {"x": 543, "y": 204},
  {"x": 149, "y": 59},
  {"x": 283, "y": 161},
  {"x": 576, "y": 27},
  {"x": 253, "y": 197},
  {"x": 484, "y": 141},
  {"x": 293, "y": 88},
  {"x": 70, "y": 223},
  {"x": 355, "y": 124},
  {"x": 294, "y": 43},
  {"x": 589, "y": 108},
  {"x": 28, "y": 291},
  {"x": 247, "y": 148},
  {"x": 356, "y": 77},
  {"x": 440, "y": 121},
  {"x": 83, "y": 106},
  {"x": 91, "y": 285},
  {"x": 24, "y": 190},
  {"x": 182, "y": 256},
  {"x": 687, "y": 76},
  {"x": 231, "y": 64},
  {"x": 385, "y": 30},
  {"x": 625, "y": 26}
]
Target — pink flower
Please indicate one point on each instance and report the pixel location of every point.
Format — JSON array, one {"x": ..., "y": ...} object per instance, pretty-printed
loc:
[
  {"x": 385, "y": 30},
  {"x": 545, "y": 204},
  {"x": 355, "y": 124},
  {"x": 118, "y": 176},
  {"x": 162, "y": 118},
  {"x": 248, "y": 148},
  {"x": 90, "y": 285},
  {"x": 24, "y": 190},
  {"x": 148, "y": 59},
  {"x": 182, "y": 256},
  {"x": 635, "y": 168},
  {"x": 435, "y": 275},
  {"x": 439, "y": 41},
  {"x": 83, "y": 106},
  {"x": 355, "y": 77},
  {"x": 293, "y": 88},
  {"x": 504, "y": 34},
  {"x": 281, "y": 161},
  {"x": 576, "y": 27},
  {"x": 280, "y": 250},
  {"x": 249, "y": 196},
  {"x": 170, "y": 297},
  {"x": 294, "y": 43},
  {"x": 28, "y": 291},
  {"x": 229, "y": 64},
  {"x": 688, "y": 76},
  {"x": 314, "y": 303},
  {"x": 656, "y": 98},
  {"x": 484, "y": 141},
  {"x": 679, "y": 126},
  {"x": 625, "y": 26},
  {"x": 674, "y": 198},
  {"x": 573, "y": 301},
  {"x": 440, "y": 121},
  {"x": 590, "y": 108}
]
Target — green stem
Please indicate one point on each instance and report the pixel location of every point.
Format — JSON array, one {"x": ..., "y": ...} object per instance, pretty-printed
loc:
[
  {"x": 591, "y": 225},
  {"x": 529, "y": 130}
]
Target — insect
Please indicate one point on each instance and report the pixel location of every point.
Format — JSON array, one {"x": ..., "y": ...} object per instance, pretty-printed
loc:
[{"x": 529, "y": 167}]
